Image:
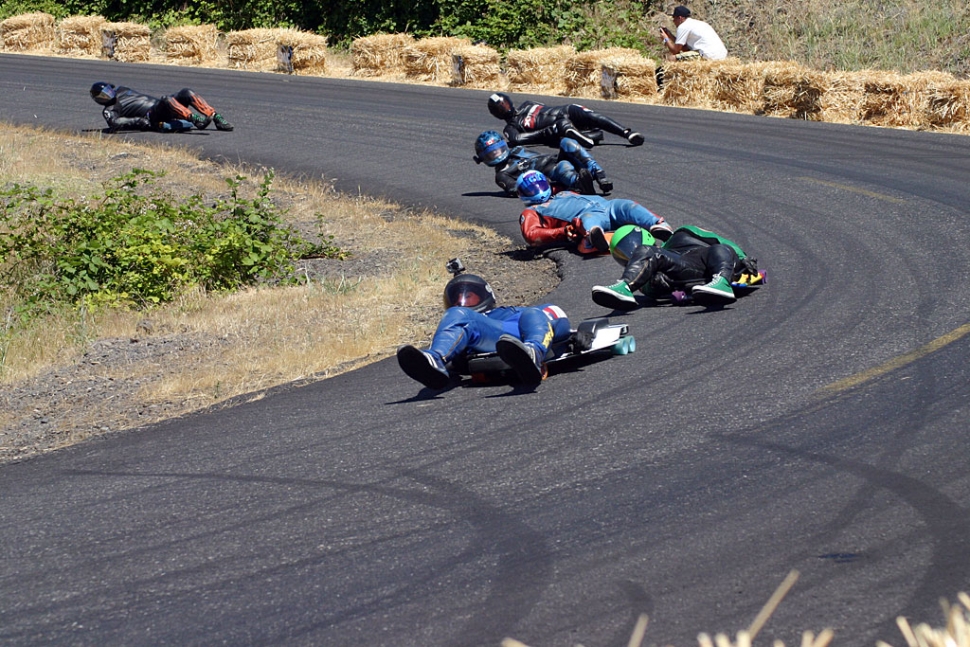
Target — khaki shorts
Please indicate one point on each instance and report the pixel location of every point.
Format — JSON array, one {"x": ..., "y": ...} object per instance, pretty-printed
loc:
[{"x": 689, "y": 55}]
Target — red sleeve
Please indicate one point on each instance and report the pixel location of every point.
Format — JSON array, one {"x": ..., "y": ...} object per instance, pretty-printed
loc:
[{"x": 538, "y": 231}]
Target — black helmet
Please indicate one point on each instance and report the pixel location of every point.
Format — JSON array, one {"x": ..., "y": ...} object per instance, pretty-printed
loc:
[
  {"x": 470, "y": 291},
  {"x": 500, "y": 105},
  {"x": 103, "y": 93}
]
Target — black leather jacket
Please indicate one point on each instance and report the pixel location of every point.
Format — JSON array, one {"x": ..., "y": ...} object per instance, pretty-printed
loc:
[{"x": 132, "y": 110}]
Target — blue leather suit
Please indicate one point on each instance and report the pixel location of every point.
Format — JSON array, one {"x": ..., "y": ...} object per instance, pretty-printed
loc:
[
  {"x": 596, "y": 211},
  {"x": 465, "y": 330}
]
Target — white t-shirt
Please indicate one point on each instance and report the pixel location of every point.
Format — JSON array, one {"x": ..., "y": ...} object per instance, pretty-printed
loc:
[{"x": 701, "y": 37}]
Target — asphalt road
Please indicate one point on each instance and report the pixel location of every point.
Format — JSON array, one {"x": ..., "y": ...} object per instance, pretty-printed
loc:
[{"x": 819, "y": 425}]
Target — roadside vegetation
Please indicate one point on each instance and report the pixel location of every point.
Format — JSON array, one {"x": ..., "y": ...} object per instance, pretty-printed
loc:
[{"x": 261, "y": 280}]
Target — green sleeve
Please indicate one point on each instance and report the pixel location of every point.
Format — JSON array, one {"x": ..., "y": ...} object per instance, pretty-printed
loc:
[{"x": 711, "y": 238}]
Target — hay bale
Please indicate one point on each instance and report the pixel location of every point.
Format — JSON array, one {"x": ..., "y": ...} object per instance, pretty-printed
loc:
[
  {"x": 538, "y": 70},
  {"x": 476, "y": 66},
  {"x": 736, "y": 86},
  {"x": 894, "y": 100},
  {"x": 948, "y": 105},
  {"x": 79, "y": 36},
  {"x": 29, "y": 31},
  {"x": 842, "y": 101},
  {"x": 429, "y": 59},
  {"x": 583, "y": 74},
  {"x": 253, "y": 49},
  {"x": 689, "y": 83},
  {"x": 380, "y": 54},
  {"x": 129, "y": 42},
  {"x": 793, "y": 91},
  {"x": 191, "y": 44},
  {"x": 628, "y": 77},
  {"x": 306, "y": 51}
]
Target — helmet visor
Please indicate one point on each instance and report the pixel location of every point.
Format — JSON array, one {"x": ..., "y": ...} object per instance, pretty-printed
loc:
[
  {"x": 533, "y": 187},
  {"x": 626, "y": 240},
  {"x": 104, "y": 95},
  {"x": 470, "y": 292},
  {"x": 495, "y": 153}
]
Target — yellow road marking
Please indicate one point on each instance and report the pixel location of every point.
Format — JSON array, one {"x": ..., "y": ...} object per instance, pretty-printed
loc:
[
  {"x": 852, "y": 189},
  {"x": 898, "y": 362}
]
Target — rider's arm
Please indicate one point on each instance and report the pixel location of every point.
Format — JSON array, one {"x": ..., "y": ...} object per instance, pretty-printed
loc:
[
  {"x": 538, "y": 231},
  {"x": 117, "y": 122}
]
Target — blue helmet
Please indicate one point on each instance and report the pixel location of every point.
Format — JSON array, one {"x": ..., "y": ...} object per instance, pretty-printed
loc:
[
  {"x": 533, "y": 187},
  {"x": 490, "y": 147},
  {"x": 103, "y": 93}
]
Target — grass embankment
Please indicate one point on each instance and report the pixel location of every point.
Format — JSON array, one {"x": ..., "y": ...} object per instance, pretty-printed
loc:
[{"x": 340, "y": 313}]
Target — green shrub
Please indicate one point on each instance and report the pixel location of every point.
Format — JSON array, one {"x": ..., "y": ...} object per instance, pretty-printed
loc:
[{"x": 137, "y": 246}]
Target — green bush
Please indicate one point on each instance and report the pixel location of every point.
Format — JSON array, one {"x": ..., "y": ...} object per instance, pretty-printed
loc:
[{"x": 137, "y": 246}]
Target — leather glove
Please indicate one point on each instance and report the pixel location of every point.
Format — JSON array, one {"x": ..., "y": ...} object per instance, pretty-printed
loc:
[
  {"x": 575, "y": 230},
  {"x": 749, "y": 265},
  {"x": 660, "y": 282}
]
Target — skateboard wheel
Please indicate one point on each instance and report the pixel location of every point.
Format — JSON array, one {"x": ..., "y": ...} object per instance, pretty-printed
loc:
[
  {"x": 621, "y": 347},
  {"x": 632, "y": 344}
]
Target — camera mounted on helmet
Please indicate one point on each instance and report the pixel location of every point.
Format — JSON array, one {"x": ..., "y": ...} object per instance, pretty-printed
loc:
[{"x": 467, "y": 290}]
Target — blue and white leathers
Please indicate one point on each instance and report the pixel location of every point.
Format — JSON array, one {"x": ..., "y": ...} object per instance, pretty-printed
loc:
[
  {"x": 596, "y": 211},
  {"x": 465, "y": 330}
]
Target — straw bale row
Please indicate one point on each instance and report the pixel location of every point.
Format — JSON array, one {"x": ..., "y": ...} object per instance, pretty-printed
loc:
[{"x": 783, "y": 89}]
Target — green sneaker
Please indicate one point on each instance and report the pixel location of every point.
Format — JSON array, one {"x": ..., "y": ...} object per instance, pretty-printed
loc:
[
  {"x": 718, "y": 291},
  {"x": 221, "y": 123},
  {"x": 616, "y": 296},
  {"x": 199, "y": 121}
]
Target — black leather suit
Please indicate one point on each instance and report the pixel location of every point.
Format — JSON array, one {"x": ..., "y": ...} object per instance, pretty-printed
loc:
[
  {"x": 683, "y": 260},
  {"x": 535, "y": 123},
  {"x": 573, "y": 169},
  {"x": 133, "y": 110}
]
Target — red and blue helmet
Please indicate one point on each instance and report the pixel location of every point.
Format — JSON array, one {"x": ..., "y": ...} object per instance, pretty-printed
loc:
[
  {"x": 103, "y": 93},
  {"x": 533, "y": 187},
  {"x": 491, "y": 148}
]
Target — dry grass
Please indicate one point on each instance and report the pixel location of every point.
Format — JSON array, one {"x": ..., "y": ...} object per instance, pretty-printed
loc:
[{"x": 348, "y": 312}]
